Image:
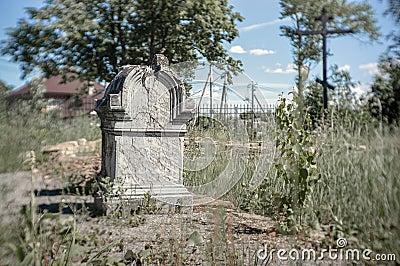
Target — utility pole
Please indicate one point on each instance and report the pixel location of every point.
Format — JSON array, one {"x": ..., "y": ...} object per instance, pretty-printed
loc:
[
  {"x": 324, "y": 18},
  {"x": 224, "y": 95},
  {"x": 209, "y": 80},
  {"x": 252, "y": 109},
  {"x": 211, "y": 96}
]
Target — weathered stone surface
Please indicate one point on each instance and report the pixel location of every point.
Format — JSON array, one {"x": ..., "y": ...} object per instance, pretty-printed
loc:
[{"x": 142, "y": 120}]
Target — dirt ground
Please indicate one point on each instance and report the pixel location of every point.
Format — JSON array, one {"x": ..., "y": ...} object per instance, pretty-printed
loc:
[{"x": 213, "y": 234}]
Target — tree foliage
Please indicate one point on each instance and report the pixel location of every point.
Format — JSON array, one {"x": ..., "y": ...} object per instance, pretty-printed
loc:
[
  {"x": 385, "y": 100},
  {"x": 393, "y": 10},
  {"x": 343, "y": 96},
  {"x": 345, "y": 104},
  {"x": 313, "y": 102},
  {"x": 4, "y": 90},
  {"x": 356, "y": 16},
  {"x": 94, "y": 38}
]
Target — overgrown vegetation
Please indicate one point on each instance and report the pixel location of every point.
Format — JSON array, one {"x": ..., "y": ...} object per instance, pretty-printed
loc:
[
  {"x": 385, "y": 92},
  {"x": 338, "y": 175},
  {"x": 26, "y": 126},
  {"x": 335, "y": 171},
  {"x": 207, "y": 139},
  {"x": 295, "y": 160},
  {"x": 356, "y": 193}
]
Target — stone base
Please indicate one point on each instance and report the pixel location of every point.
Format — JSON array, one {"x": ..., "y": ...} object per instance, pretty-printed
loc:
[{"x": 154, "y": 199}]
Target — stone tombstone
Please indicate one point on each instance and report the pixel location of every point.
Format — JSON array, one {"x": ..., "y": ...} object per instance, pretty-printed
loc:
[{"x": 143, "y": 115}]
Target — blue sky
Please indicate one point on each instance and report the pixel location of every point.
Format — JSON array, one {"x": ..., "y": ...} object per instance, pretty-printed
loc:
[
  {"x": 265, "y": 54},
  {"x": 10, "y": 12}
]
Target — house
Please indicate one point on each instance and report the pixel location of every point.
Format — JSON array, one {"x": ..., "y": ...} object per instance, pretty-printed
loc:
[{"x": 73, "y": 98}]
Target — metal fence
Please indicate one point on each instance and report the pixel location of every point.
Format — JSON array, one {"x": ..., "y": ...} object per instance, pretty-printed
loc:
[
  {"x": 232, "y": 111},
  {"x": 236, "y": 111},
  {"x": 77, "y": 107}
]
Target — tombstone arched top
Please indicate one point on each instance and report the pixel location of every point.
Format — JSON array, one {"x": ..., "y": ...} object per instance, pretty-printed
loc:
[{"x": 151, "y": 96}]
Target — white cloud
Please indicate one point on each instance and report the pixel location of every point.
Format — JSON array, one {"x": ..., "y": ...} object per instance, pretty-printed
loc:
[
  {"x": 237, "y": 49},
  {"x": 275, "y": 86},
  {"x": 261, "y": 52},
  {"x": 279, "y": 70},
  {"x": 371, "y": 68},
  {"x": 344, "y": 68},
  {"x": 264, "y": 24},
  {"x": 361, "y": 89}
]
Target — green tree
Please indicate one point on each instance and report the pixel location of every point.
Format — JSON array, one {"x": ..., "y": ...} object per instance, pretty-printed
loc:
[
  {"x": 312, "y": 100},
  {"x": 4, "y": 87},
  {"x": 343, "y": 96},
  {"x": 345, "y": 104},
  {"x": 358, "y": 17},
  {"x": 297, "y": 164},
  {"x": 393, "y": 10},
  {"x": 4, "y": 90},
  {"x": 94, "y": 38},
  {"x": 385, "y": 100},
  {"x": 385, "y": 91}
]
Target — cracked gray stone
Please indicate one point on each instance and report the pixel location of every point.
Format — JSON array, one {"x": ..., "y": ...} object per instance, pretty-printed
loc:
[{"x": 143, "y": 115}]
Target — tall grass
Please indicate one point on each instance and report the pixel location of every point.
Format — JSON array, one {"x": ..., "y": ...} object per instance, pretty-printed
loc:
[
  {"x": 228, "y": 169},
  {"x": 22, "y": 133},
  {"x": 28, "y": 125},
  {"x": 359, "y": 190},
  {"x": 358, "y": 167},
  {"x": 357, "y": 195}
]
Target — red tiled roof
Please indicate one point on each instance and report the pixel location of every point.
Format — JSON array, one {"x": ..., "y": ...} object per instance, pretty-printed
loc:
[
  {"x": 54, "y": 86},
  {"x": 70, "y": 106}
]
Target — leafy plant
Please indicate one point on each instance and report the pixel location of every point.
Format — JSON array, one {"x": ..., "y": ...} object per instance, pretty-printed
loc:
[{"x": 296, "y": 161}]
